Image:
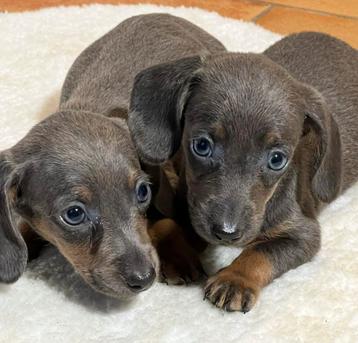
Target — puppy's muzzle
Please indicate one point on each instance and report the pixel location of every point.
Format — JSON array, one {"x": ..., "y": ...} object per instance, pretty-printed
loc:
[{"x": 226, "y": 232}]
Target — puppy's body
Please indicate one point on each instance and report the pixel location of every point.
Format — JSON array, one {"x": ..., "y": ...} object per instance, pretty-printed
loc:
[
  {"x": 75, "y": 178},
  {"x": 268, "y": 140},
  {"x": 101, "y": 79}
]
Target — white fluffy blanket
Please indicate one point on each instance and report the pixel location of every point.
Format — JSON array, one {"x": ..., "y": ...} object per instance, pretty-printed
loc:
[{"x": 317, "y": 302}]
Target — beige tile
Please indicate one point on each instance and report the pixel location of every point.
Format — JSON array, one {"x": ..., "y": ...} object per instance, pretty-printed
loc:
[
  {"x": 339, "y": 7},
  {"x": 288, "y": 20},
  {"x": 240, "y": 9}
]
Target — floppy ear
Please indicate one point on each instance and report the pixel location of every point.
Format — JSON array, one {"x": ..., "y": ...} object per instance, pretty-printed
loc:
[
  {"x": 326, "y": 180},
  {"x": 158, "y": 98},
  {"x": 13, "y": 250}
]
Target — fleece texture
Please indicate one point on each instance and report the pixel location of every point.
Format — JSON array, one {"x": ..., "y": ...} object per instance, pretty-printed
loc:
[{"x": 317, "y": 302}]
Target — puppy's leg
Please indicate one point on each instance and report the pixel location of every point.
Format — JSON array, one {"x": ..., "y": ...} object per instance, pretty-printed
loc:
[
  {"x": 179, "y": 261},
  {"x": 236, "y": 287}
]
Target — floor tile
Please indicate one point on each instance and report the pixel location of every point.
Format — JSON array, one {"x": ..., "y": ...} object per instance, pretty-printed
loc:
[
  {"x": 288, "y": 20},
  {"x": 239, "y": 9},
  {"x": 341, "y": 7}
]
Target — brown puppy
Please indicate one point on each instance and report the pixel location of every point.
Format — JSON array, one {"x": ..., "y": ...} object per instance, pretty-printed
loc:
[
  {"x": 265, "y": 141},
  {"x": 75, "y": 179}
]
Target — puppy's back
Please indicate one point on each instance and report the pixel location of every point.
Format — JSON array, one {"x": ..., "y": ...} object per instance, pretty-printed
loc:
[{"x": 101, "y": 78}]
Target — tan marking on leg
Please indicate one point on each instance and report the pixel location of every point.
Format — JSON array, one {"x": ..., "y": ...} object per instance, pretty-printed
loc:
[
  {"x": 180, "y": 262},
  {"x": 162, "y": 229},
  {"x": 236, "y": 287},
  {"x": 254, "y": 266}
]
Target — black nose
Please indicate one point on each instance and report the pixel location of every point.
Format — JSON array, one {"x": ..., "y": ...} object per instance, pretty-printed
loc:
[
  {"x": 139, "y": 281},
  {"x": 226, "y": 232}
]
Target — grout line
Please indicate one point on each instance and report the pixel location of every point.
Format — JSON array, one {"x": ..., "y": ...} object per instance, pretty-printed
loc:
[
  {"x": 267, "y": 2},
  {"x": 263, "y": 13}
]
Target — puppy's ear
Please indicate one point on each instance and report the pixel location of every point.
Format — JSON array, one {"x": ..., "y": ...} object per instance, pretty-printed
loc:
[
  {"x": 326, "y": 179},
  {"x": 13, "y": 250},
  {"x": 155, "y": 115}
]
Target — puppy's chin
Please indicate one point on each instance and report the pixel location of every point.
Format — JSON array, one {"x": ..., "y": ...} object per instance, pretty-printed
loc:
[
  {"x": 117, "y": 290},
  {"x": 205, "y": 234},
  {"x": 120, "y": 293},
  {"x": 215, "y": 241}
]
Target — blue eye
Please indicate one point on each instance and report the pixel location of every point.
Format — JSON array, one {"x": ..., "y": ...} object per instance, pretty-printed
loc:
[
  {"x": 277, "y": 160},
  {"x": 74, "y": 215},
  {"x": 202, "y": 147},
  {"x": 143, "y": 192}
]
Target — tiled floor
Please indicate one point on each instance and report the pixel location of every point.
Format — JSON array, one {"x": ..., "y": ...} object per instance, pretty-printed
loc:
[{"x": 337, "y": 17}]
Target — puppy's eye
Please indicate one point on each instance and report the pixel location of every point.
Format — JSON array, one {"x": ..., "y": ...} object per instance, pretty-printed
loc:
[
  {"x": 74, "y": 215},
  {"x": 143, "y": 192},
  {"x": 202, "y": 147},
  {"x": 277, "y": 160}
]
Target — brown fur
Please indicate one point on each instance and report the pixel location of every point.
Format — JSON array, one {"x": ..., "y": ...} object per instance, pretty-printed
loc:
[
  {"x": 84, "y": 193},
  {"x": 179, "y": 260},
  {"x": 219, "y": 130}
]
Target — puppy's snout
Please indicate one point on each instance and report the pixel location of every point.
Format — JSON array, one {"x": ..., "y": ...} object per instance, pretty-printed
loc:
[
  {"x": 140, "y": 279},
  {"x": 226, "y": 232},
  {"x": 137, "y": 270}
]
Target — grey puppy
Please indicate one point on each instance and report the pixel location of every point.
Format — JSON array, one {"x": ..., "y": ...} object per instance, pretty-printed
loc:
[
  {"x": 261, "y": 143},
  {"x": 75, "y": 179}
]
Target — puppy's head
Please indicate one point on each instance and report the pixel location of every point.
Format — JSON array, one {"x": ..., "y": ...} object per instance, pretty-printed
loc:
[
  {"x": 76, "y": 180},
  {"x": 244, "y": 124}
]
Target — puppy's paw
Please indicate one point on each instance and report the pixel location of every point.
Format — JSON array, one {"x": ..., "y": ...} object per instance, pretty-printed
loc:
[
  {"x": 179, "y": 261},
  {"x": 231, "y": 292},
  {"x": 180, "y": 267}
]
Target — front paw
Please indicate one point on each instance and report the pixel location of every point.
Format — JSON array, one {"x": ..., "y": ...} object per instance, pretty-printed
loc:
[
  {"x": 179, "y": 261},
  {"x": 231, "y": 292},
  {"x": 180, "y": 267}
]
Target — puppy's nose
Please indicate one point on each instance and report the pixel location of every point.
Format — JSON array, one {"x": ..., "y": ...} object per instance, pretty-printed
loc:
[
  {"x": 139, "y": 281},
  {"x": 226, "y": 232}
]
